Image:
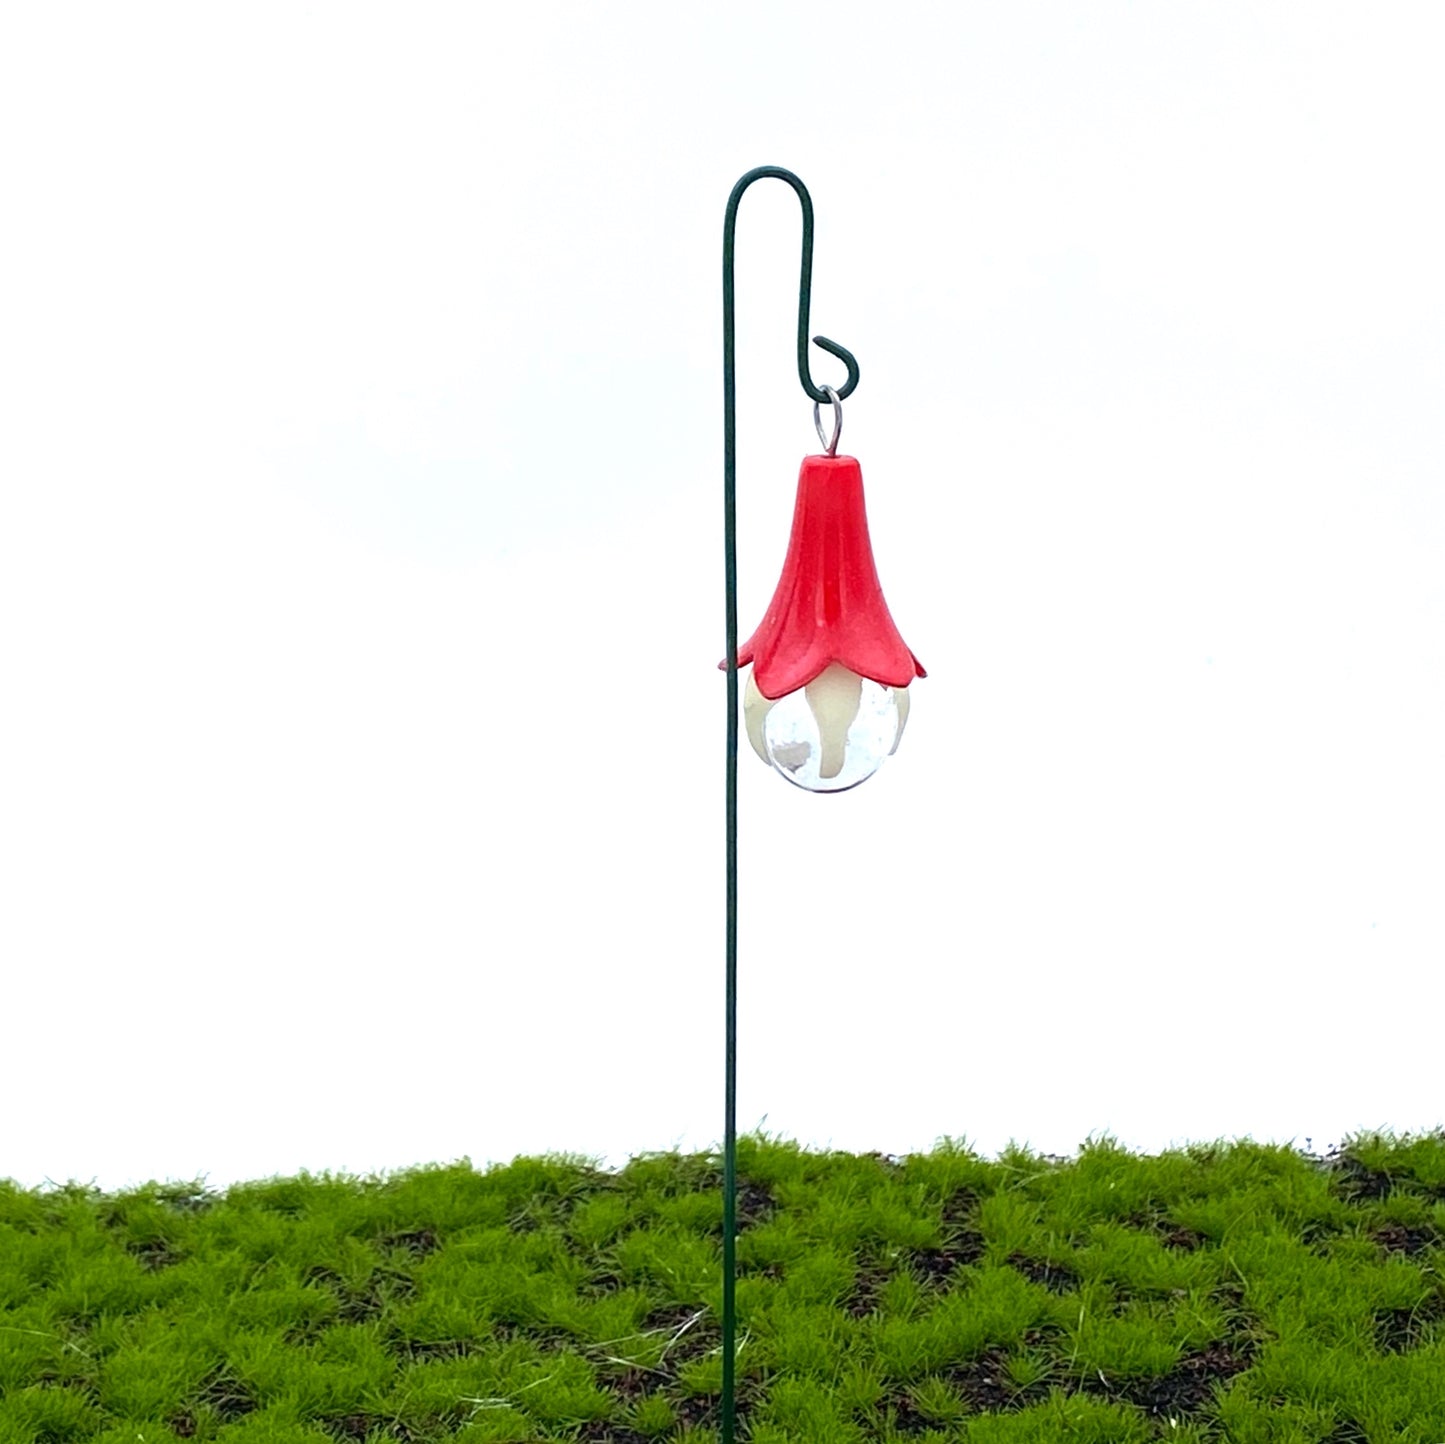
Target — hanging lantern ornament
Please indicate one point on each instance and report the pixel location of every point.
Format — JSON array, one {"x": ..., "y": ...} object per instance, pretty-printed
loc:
[{"x": 827, "y": 697}]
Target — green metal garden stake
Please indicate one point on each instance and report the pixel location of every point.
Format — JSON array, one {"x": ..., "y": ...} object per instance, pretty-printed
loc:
[{"x": 828, "y": 694}]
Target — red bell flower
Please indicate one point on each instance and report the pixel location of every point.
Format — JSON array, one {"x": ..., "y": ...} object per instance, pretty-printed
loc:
[{"x": 828, "y": 606}]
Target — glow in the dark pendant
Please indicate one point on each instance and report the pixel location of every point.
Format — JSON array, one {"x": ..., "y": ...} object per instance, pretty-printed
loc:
[{"x": 827, "y": 698}]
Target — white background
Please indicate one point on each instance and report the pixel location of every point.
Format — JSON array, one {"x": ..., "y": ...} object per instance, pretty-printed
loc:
[{"x": 361, "y": 579}]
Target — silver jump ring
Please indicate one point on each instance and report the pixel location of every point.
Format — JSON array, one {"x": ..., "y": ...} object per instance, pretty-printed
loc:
[{"x": 832, "y": 446}]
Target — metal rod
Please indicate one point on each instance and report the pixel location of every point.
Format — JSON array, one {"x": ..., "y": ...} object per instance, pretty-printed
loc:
[{"x": 730, "y": 570}]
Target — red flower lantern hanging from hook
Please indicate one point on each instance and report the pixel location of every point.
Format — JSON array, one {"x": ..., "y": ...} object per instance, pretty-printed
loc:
[{"x": 827, "y": 698}]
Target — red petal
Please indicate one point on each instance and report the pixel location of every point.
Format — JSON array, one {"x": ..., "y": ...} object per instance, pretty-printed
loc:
[{"x": 828, "y": 606}]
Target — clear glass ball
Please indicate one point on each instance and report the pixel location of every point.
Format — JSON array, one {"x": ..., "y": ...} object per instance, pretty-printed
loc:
[{"x": 829, "y": 735}]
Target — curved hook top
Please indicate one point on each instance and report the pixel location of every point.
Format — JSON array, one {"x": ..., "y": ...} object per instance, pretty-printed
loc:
[{"x": 805, "y": 287}]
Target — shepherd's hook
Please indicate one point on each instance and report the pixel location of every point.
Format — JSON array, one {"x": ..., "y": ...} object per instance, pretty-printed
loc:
[{"x": 730, "y": 573}]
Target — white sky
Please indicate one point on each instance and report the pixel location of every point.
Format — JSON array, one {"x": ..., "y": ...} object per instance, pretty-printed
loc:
[{"x": 361, "y": 579}]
